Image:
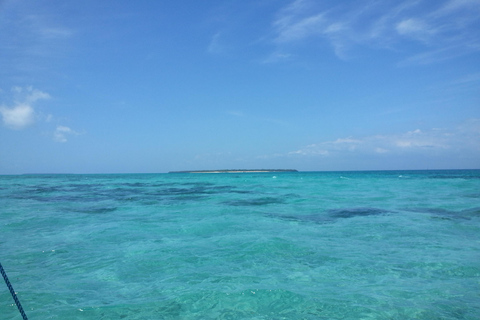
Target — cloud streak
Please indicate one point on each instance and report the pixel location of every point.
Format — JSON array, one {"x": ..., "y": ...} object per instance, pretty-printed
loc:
[
  {"x": 432, "y": 32},
  {"x": 33, "y": 41}
]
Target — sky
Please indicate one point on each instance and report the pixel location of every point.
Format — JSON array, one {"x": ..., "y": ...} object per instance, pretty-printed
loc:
[{"x": 120, "y": 86}]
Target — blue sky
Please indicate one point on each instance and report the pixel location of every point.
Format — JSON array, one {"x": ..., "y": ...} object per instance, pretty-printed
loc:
[{"x": 153, "y": 86}]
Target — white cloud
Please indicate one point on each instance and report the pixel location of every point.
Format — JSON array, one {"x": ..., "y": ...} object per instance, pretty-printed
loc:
[
  {"x": 61, "y": 133},
  {"x": 29, "y": 94},
  {"x": 18, "y": 117},
  {"x": 22, "y": 113},
  {"x": 464, "y": 138}
]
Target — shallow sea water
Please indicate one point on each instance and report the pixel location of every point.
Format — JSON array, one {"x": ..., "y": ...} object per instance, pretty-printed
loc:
[{"x": 305, "y": 245}]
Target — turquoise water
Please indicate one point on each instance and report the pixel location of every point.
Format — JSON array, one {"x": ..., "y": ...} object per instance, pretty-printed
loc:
[{"x": 306, "y": 245}]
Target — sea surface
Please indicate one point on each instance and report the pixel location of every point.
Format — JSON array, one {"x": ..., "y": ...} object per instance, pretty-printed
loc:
[{"x": 297, "y": 245}]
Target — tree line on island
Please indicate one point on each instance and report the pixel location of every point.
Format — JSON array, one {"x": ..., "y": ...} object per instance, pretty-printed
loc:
[{"x": 235, "y": 171}]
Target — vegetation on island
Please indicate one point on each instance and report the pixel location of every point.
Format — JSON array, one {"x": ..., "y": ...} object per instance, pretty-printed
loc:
[{"x": 235, "y": 171}]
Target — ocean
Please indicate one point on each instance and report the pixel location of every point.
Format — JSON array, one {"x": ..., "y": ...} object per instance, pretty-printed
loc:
[{"x": 274, "y": 245}]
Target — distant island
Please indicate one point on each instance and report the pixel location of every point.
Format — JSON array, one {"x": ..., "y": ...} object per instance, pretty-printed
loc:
[{"x": 236, "y": 171}]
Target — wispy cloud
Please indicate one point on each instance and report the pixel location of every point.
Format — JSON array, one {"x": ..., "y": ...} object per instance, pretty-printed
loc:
[
  {"x": 22, "y": 114},
  {"x": 442, "y": 30},
  {"x": 276, "y": 57},
  {"x": 466, "y": 137},
  {"x": 235, "y": 113},
  {"x": 55, "y": 33},
  {"x": 215, "y": 46},
  {"x": 415, "y": 28},
  {"x": 298, "y": 28},
  {"x": 30, "y": 38},
  {"x": 469, "y": 78},
  {"x": 62, "y": 132},
  {"x": 453, "y": 6},
  {"x": 300, "y": 21}
]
